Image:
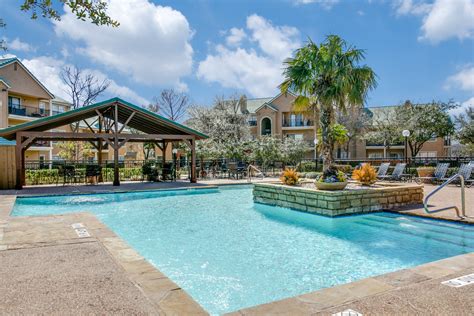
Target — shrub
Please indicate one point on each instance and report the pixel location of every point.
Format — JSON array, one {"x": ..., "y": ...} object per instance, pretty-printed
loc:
[
  {"x": 312, "y": 175},
  {"x": 366, "y": 175},
  {"x": 289, "y": 177},
  {"x": 332, "y": 175},
  {"x": 344, "y": 168},
  {"x": 308, "y": 166}
]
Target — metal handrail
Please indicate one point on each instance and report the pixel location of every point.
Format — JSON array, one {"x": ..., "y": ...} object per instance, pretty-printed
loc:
[
  {"x": 249, "y": 176},
  {"x": 463, "y": 199}
]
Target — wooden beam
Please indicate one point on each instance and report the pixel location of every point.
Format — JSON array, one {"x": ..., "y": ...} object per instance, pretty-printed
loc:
[
  {"x": 18, "y": 162},
  {"x": 116, "y": 148},
  {"x": 193, "y": 161},
  {"x": 95, "y": 136},
  {"x": 126, "y": 122}
]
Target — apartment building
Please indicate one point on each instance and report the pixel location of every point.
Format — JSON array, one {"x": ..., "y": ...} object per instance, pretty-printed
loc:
[
  {"x": 23, "y": 98},
  {"x": 274, "y": 116}
]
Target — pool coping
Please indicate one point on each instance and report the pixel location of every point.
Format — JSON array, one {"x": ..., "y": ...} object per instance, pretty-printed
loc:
[{"x": 168, "y": 296}]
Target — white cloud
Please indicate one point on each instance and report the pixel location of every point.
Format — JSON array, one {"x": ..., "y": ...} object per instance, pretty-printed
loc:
[
  {"x": 442, "y": 19},
  {"x": 449, "y": 18},
  {"x": 235, "y": 36},
  {"x": 47, "y": 70},
  {"x": 405, "y": 7},
  {"x": 462, "y": 107},
  {"x": 258, "y": 70},
  {"x": 151, "y": 44},
  {"x": 462, "y": 80},
  {"x": 18, "y": 45},
  {"x": 327, "y": 4}
]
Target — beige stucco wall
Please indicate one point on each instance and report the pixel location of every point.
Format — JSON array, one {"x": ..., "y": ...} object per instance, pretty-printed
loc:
[{"x": 21, "y": 82}]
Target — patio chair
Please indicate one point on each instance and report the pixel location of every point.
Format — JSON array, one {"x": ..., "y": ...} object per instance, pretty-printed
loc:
[
  {"x": 383, "y": 168},
  {"x": 167, "y": 172},
  {"x": 397, "y": 174},
  {"x": 465, "y": 171},
  {"x": 438, "y": 175}
]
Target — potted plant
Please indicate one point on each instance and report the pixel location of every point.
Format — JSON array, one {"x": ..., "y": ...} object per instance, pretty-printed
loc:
[
  {"x": 331, "y": 180},
  {"x": 366, "y": 175},
  {"x": 289, "y": 177},
  {"x": 425, "y": 171}
]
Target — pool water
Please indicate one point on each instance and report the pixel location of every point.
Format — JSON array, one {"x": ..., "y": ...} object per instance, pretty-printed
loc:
[{"x": 228, "y": 252}]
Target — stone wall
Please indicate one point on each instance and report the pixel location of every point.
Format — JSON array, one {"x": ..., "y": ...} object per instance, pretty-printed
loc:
[{"x": 334, "y": 203}]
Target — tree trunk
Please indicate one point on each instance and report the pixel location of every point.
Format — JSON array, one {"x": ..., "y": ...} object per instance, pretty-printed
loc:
[{"x": 327, "y": 144}]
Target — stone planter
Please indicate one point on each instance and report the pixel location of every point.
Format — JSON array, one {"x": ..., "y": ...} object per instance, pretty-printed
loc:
[
  {"x": 425, "y": 171},
  {"x": 330, "y": 186}
]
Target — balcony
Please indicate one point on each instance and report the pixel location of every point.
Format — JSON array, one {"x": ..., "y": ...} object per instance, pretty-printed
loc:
[
  {"x": 41, "y": 143},
  {"x": 380, "y": 144},
  {"x": 297, "y": 123},
  {"x": 28, "y": 111}
]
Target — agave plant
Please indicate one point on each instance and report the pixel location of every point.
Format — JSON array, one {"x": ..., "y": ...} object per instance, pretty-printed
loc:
[{"x": 289, "y": 177}]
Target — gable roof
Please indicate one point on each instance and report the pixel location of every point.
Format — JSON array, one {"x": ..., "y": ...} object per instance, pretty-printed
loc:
[
  {"x": 7, "y": 61},
  {"x": 254, "y": 104},
  {"x": 143, "y": 120},
  {"x": 269, "y": 105}
]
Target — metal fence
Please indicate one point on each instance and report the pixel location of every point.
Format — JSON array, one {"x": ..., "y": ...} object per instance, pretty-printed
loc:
[{"x": 52, "y": 172}]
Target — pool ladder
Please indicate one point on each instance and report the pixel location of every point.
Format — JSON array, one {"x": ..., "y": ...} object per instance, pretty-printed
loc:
[
  {"x": 461, "y": 214},
  {"x": 258, "y": 172}
]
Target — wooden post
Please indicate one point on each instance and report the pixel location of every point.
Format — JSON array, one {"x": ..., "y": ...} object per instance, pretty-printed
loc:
[
  {"x": 116, "y": 149},
  {"x": 19, "y": 158},
  {"x": 193, "y": 161},
  {"x": 99, "y": 151},
  {"x": 163, "y": 151}
]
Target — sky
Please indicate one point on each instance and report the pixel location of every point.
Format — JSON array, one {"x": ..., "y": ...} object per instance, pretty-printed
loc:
[{"x": 420, "y": 50}]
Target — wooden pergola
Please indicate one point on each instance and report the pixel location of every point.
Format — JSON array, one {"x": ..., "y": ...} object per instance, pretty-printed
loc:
[{"x": 107, "y": 122}]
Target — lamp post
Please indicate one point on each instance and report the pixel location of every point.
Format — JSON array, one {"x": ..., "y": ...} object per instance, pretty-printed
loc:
[
  {"x": 406, "y": 134},
  {"x": 174, "y": 151},
  {"x": 316, "y": 141}
]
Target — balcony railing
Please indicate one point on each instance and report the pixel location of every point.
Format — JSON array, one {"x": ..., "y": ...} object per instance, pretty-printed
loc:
[
  {"x": 252, "y": 123},
  {"x": 298, "y": 123},
  {"x": 41, "y": 143},
  {"x": 28, "y": 111},
  {"x": 380, "y": 144}
]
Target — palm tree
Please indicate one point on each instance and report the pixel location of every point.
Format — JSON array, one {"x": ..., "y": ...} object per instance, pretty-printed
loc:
[{"x": 327, "y": 77}]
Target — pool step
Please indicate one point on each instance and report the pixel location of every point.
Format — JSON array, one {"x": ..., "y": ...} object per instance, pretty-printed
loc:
[
  {"x": 432, "y": 222},
  {"x": 423, "y": 226},
  {"x": 444, "y": 238}
]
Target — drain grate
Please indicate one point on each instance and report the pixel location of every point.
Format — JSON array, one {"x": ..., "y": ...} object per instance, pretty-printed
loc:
[
  {"x": 461, "y": 281},
  {"x": 348, "y": 312}
]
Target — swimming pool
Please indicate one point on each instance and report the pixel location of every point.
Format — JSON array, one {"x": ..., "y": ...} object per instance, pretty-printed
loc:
[{"x": 229, "y": 253}]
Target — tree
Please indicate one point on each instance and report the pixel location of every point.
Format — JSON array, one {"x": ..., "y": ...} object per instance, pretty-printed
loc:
[
  {"x": 83, "y": 89},
  {"x": 94, "y": 10},
  {"x": 170, "y": 104},
  {"x": 294, "y": 150},
  {"x": 266, "y": 150},
  {"x": 384, "y": 129},
  {"x": 465, "y": 129},
  {"x": 3, "y": 43},
  {"x": 425, "y": 122},
  {"x": 328, "y": 77},
  {"x": 356, "y": 120},
  {"x": 225, "y": 125}
]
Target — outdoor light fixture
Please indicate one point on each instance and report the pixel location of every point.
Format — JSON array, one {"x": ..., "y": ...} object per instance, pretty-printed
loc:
[
  {"x": 406, "y": 134},
  {"x": 316, "y": 141},
  {"x": 175, "y": 151}
]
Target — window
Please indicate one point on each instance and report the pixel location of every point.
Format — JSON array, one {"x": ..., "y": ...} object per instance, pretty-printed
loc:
[
  {"x": 58, "y": 109},
  {"x": 375, "y": 155},
  {"x": 42, "y": 108},
  {"x": 427, "y": 154},
  {"x": 266, "y": 126},
  {"x": 14, "y": 102},
  {"x": 253, "y": 120},
  {"x": 395, "y": 155},
  {"x": 295, "y": 136}
]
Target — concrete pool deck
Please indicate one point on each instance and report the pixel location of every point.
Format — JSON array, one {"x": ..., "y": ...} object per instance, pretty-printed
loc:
[{"x": 48, "y": 268}]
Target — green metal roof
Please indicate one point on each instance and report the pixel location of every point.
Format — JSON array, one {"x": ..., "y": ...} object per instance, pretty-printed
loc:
[
  {"x": 6, "y": 61},
  {"x": 146, "y": 121}
]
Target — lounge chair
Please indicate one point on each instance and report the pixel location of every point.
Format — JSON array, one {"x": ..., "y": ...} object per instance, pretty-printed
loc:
[
  {"x": 466, "y": 171},
  {"x": 438, "y": 175},
  {"x": 382, "y": 170},
  {"x": 397, "y": 174}
]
